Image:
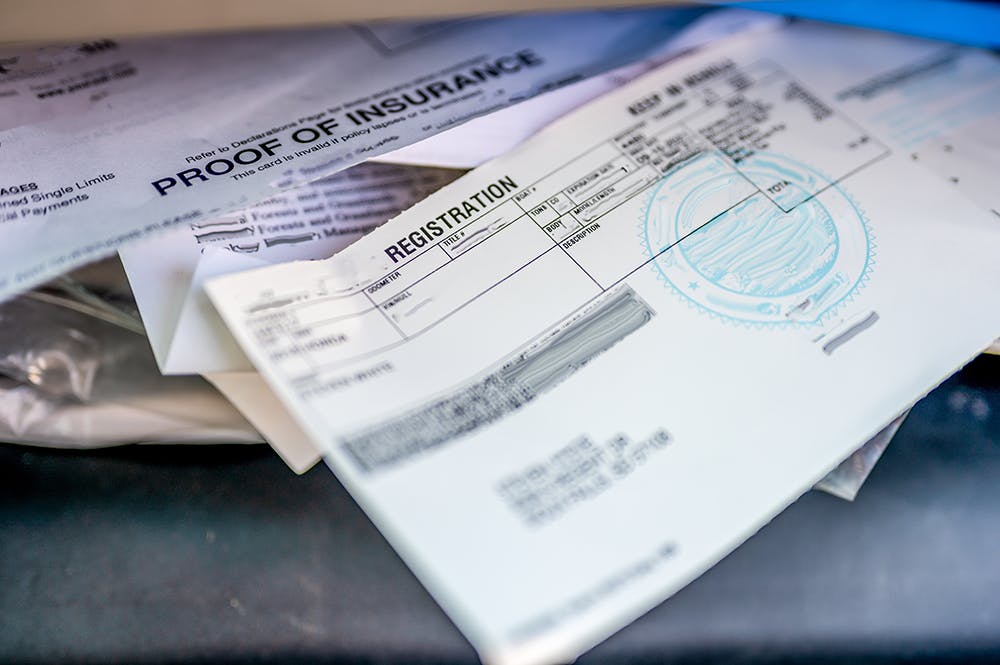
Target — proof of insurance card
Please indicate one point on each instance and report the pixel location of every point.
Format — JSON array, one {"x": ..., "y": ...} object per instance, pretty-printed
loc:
[{"x": 568, "y": 383}]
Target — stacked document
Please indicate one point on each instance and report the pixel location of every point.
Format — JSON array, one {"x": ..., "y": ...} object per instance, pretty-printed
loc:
[{"x": 694, "y": 268}]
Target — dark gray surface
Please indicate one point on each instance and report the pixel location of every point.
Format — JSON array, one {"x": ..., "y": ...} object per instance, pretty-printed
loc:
[{"x": 145, "y": 554}]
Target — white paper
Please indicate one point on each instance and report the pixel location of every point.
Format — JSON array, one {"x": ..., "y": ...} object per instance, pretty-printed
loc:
[
  {"x": 201, "y": 344},
  {"x": 315, "y": 221},
  {"x": 574, "y": 379},
  {"x": 311, "y": 222},
  {"x": 486, "y": 137},
  {"x": 249, "y": 393},
  {"x": 209, "y": 124}
]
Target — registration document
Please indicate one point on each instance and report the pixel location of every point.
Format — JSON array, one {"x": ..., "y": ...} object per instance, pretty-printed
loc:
[{"x": 569, "y": 382}]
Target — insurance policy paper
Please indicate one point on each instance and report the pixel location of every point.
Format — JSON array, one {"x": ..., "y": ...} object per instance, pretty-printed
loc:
[
  {"x": 108, "y": 142},
  {"x": 568, "y": 383}
]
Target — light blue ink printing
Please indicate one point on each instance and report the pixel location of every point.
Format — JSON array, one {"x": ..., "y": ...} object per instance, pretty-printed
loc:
[{"x": 773, "y": 254}]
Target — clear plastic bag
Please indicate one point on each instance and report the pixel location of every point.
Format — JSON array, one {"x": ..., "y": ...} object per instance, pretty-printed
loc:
[{"x": 76, "y": 370}]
